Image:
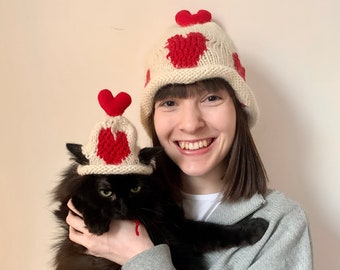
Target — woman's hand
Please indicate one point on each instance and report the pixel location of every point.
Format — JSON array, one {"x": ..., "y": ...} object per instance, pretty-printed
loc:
[{"x": 119, "y": 244}]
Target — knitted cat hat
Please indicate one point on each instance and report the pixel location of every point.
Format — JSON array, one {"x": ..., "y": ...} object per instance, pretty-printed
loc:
[
  {"x": 195, "y": 49},
  {"x": 112, "y": 147}
]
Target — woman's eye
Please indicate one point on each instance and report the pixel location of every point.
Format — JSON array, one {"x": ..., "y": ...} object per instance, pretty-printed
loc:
[
  {"x": 168, "y": 103},
  {"x": 213, "y": 98},
  {"x": 136, "y": 189},
  {"x": 105, "y": 193}
]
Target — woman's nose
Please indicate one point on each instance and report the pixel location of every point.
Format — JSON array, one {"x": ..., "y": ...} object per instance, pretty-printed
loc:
[{"x": 191, "y": 118}]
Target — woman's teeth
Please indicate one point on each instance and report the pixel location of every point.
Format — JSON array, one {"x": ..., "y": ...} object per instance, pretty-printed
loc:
[{"x": 194, "y": 145}]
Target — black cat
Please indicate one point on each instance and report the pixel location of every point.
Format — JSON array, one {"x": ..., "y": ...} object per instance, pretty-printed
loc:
[{"x": 101, "y": 198}]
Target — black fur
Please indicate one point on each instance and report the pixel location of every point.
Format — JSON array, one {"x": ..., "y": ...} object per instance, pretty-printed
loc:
[{"x": 101, "y": 198}]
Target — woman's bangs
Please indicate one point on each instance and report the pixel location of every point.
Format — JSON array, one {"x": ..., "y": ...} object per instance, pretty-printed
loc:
[{"x": 190, "y": 90}]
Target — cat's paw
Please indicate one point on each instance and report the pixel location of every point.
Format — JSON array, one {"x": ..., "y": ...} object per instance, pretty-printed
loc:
[
  {"x": 98, "y": 230},
  {"x": 98, "y": 227},
  {"x": 255, "y": 229}
]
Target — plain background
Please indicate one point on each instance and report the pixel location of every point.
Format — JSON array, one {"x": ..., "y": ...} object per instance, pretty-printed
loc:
[{"x": 57, "y": 54}]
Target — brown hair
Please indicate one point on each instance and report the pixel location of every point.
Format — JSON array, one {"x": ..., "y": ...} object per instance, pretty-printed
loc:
[{"x": 245, "y": 174}]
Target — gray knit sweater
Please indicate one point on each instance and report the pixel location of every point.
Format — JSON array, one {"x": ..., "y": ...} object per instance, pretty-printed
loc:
[{"x": 285, "y": 245}]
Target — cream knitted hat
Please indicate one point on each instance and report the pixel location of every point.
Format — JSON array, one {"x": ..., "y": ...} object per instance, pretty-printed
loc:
[
  {"x": 195, "y": 49},
  {"x": 112, "y": 147}
]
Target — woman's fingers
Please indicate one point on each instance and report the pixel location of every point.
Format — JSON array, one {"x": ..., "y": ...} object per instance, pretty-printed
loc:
[
  {"x": 72, "y": 208},
  {"x": 76, "y": 222},
  {"x": 75, "y": 235}
]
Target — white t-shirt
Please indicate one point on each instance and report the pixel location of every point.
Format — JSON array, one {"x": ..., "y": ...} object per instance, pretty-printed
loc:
[{"x": 200, "y": 207}]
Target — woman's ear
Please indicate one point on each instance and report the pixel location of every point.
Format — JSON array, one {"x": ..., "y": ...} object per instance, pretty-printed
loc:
[
  {"x": 147, "y": 154},
  {"x": 77, "y": 154}
]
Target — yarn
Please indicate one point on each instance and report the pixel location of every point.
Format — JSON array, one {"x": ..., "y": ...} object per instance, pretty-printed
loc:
[
  {"x": 112, "y": 147},
  {"x": 194, "y": 49}
]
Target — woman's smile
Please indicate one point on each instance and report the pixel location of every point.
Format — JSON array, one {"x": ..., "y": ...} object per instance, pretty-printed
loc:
[{"x": 194, "y": 145}]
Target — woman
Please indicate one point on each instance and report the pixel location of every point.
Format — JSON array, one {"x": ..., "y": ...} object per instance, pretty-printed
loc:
[{"x": 198, "y": 107}]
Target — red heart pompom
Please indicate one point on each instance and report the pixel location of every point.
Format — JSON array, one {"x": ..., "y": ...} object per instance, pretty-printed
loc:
[
  {"x": 114, "y": 106},
  {"x": 185, "y": 18}
]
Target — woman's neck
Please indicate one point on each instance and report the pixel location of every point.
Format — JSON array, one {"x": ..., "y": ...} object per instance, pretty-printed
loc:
[{"x": 212, "y": 182}]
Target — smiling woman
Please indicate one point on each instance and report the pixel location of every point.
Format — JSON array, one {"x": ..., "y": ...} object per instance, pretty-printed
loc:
[
  {"x": 197, "y": 105},
  {"x": 197, "y": 124},
  {"x": 196, "y": 132}
]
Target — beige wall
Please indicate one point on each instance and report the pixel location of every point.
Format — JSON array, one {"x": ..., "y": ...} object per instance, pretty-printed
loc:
[{"x": 56, "y": 55}]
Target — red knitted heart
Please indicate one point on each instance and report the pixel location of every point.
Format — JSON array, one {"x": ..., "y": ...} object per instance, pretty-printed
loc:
[
  {"x": 185, "y": 18},
  {"x": 238, "y": 66},
  {"x": 185, "y": 52},
  {"x": 113, "y": 150},
  {"x": 114, "y": 106}
]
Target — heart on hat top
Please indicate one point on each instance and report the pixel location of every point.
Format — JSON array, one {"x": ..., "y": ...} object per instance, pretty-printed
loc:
[
  {"x": 114, "y": 106},
  {"x": 185, "y": 18},
  {"x": 113, "y": 148}
]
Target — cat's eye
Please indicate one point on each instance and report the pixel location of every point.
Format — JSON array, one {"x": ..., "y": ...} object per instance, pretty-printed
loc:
[
  {"x": 136, "y": 189},
  {"x": 106, "y": 193}
]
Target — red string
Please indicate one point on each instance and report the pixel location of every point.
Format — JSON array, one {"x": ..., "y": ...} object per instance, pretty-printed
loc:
[{"x": 137, "y": 225}]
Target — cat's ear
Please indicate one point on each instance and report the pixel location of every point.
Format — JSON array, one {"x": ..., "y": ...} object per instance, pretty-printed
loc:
[
  {"x": 77, "y": 154},
  {"x": 147, "y": 154}
]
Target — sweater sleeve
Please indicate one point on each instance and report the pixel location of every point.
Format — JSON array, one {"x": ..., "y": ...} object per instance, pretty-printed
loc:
[
  {"x": 156, "y": 258},
  {"x": 287, "y": 245}
]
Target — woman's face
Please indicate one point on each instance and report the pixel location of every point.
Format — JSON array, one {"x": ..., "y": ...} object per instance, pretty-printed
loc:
[{"x": 197, "y": 131}]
